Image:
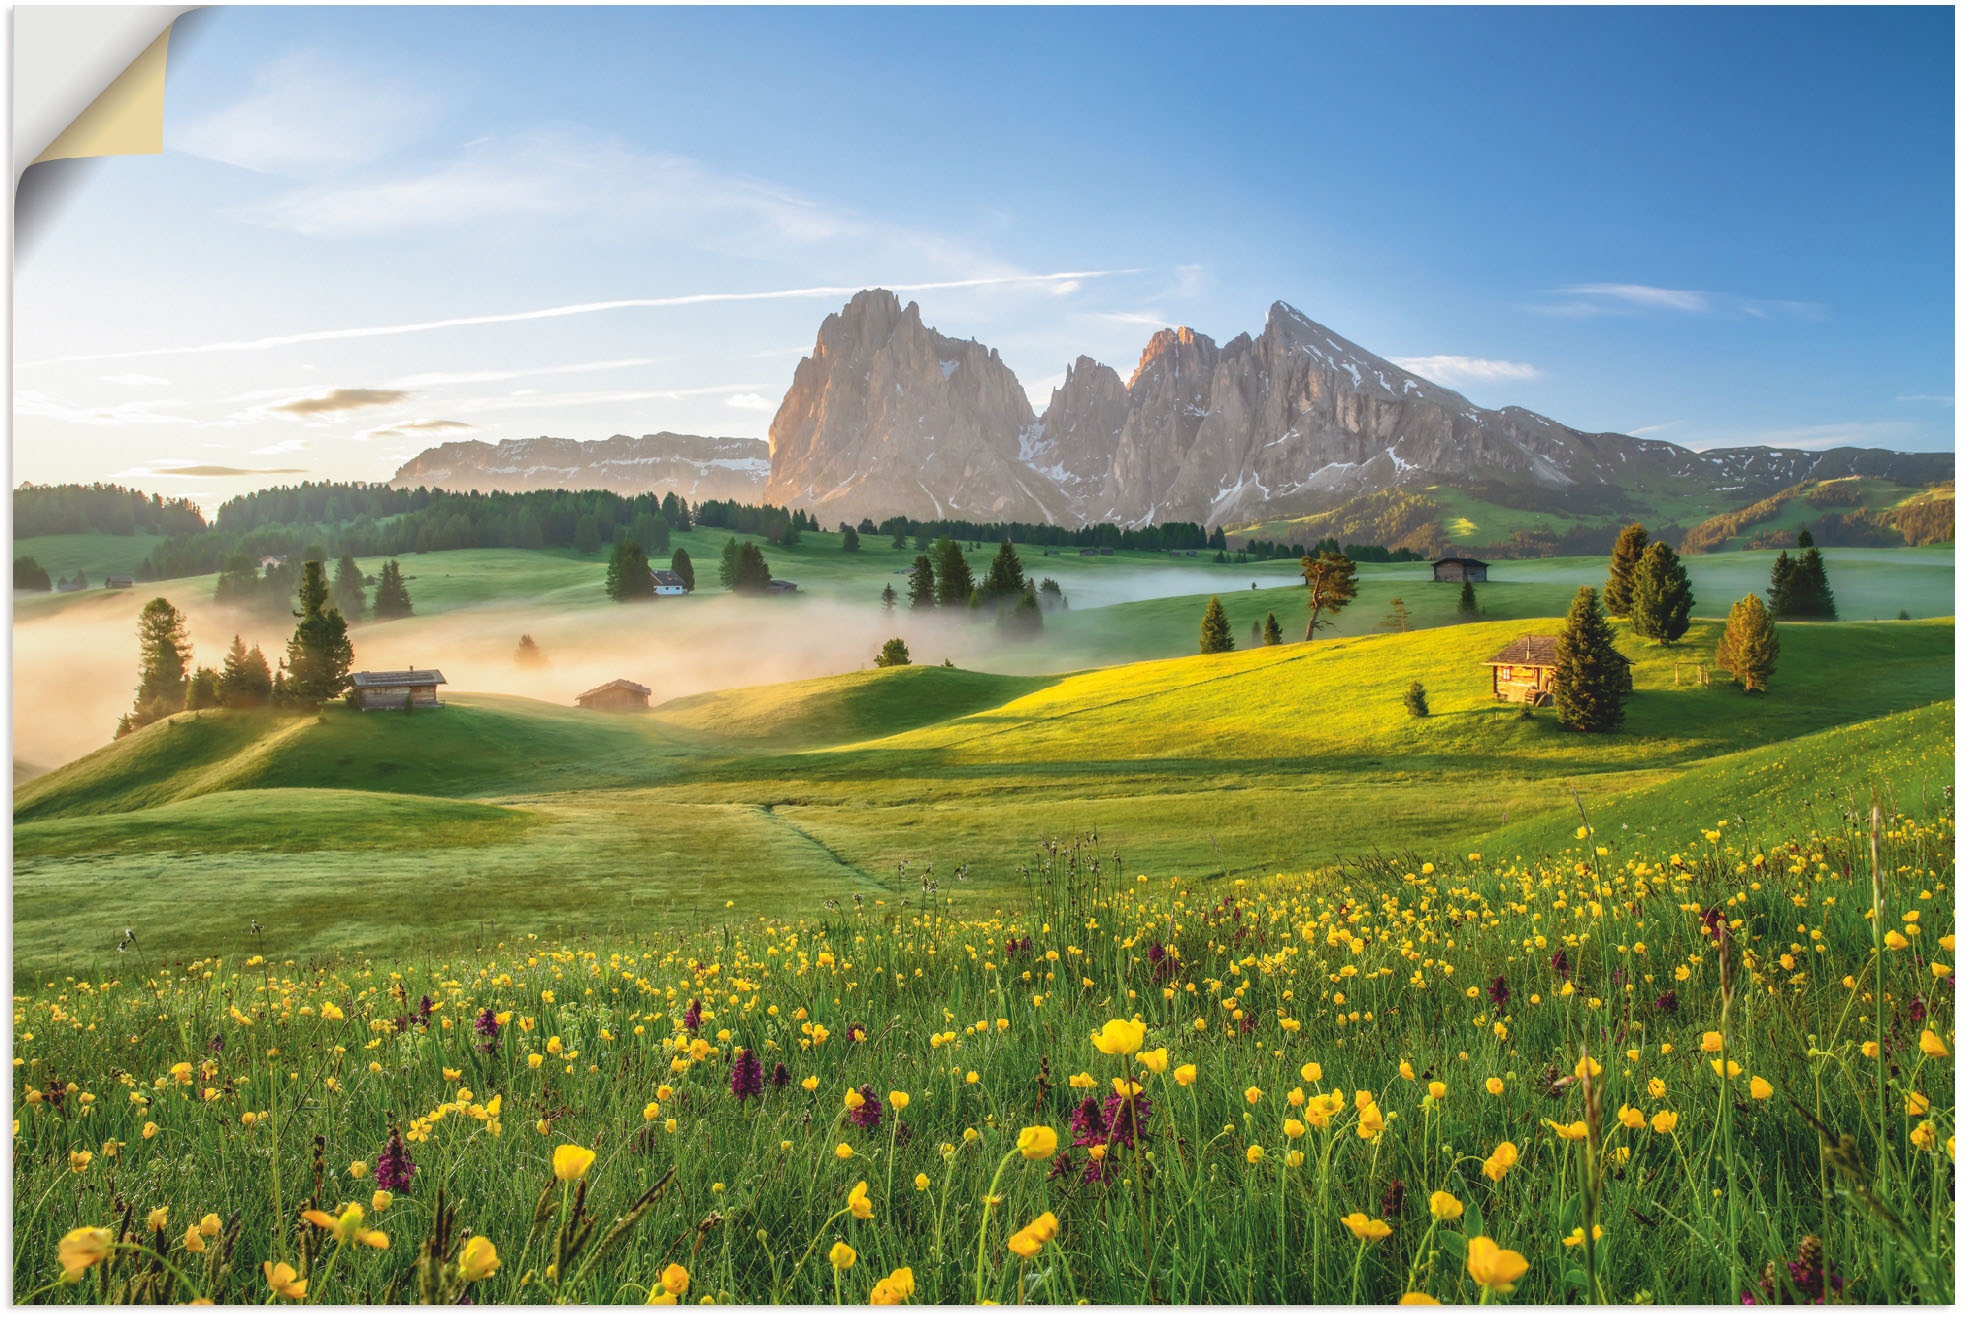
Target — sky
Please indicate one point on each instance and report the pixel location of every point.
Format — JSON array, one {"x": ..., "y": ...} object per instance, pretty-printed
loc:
[{"x": 373, "y": 230}]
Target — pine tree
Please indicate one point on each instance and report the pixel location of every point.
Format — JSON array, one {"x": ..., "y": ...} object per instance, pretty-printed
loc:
[
  {"x": 392, "y": 599},
  {"x": 728, "y": 565},
  {"x": 850, "y": 540},
  {"x": 754, "y": 574},
  {"x": 1051, "y": 596},
  {"x": 681, "y": 566},
  {"x": 1783, "y": 586},
  {"x": 1026, "y": 618},
  {"x": 1590, "y": 681},
  {"x": 1466, "y": 602},
  {"x": 1662, "y": 599},
  {"x": 528, "y": 654},
  {"x": 1216, "y": 630},
  {"x": 30, "y": 576},
  {"x": 1748, "y": 649},
  {"x": 202, "y": 693},
  {"x": 954, "y": 583},
  {"x": 1632, "y": 543},
  {"x": 629, "y": 579},
  {"x": 1005, "y": 578},
  {"x": 922, "y": 584},
  {"x": 164, "y": 650},
  {"x": 319, "y": 655},
  {"x": 888, "y": 598},
  {"x": 1256, "y": 633},
  {"x": 1396, "y": 619},
  {"x": 894, "y": 654},
  {"x": 349, "y": 598},
  {"x": 1811, "y": 597},
  {"x": 1332, "y": 583},
  {"x": 245, "y": 680},
  {"x": 1416, "y": 700},
  {"x": 1273, "y": 634}
]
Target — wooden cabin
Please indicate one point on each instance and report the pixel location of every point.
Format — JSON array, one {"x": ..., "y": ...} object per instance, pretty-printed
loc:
[
  {"x": 388, "y": 689},
  {"x": 781, "y": 587},
  {"x": 1527, "y": 669},
  {"x": 620, "y": 694},
  {"x": 1456, "y": 568},
  {"x": 118, "y": 582},
  {"x": 669, "y": 582}
]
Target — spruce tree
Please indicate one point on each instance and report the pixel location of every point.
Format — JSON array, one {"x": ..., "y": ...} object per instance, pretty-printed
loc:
[
  {"x": 954, "y": 583},
  {"x": 1632, "y": 543},
  {"x": 1811, "y": 597},
  {"x": 1256, "y": 634},
  {"x": 164, "y": 651},
  {"x": 629, "y": 578},
  {"x": 888, "y": 598},
  {"x": 245, "y": 680},
  {"x": 728, "y": 565},
  {"x": 1415, "y": 699},
  {"x": 922, "y": 584},
  {"x": 1748, "y": 649},
  {"x": 30, "y": 576},
  {"x": 1662, "y": 599},
  {"x": 1466, "y": 602},
  {"x": 392, "y": 599},
  {"x": 681, "y": 566},
  {"x": 1331, "y": 584},
  {"x": 1273, "y": 634},
  {"x": 1396, "y": 619},
  {"x": 1590, "y": 681},
  {"x": 319, "y": 655},
  {"x": 1026, "y": 618},
  {"x": 1005, "y": 579},
  {"x": 202, "y": 693},
  {"x": 894, "y": 654},
  {"x": 528, "y": 654},
  {"x": 1216, "y": 630},
  {"x": 1783, "y": 586},
  {"x": 349, "y": 598},
  {"x": 754, "y": 574},
  {"x": 850, "y": 540}
]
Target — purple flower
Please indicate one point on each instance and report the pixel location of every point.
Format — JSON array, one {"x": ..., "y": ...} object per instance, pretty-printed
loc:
[
  {"x": 747, "y": 1075},
  {"x": 1560, "y": 963},
  {"x": 1121, "y": 1122},
  {"x": 1499, "y": 992},
  {"x": 1086, "y": 1122},
  {"x": 1668, "y": 1002},
  {"x": 693, "y": 1017},
  {"x": 394, "y": 1167},
  {"x": 487, "y": 1027},
  {"x": 1392, "y": 1200},
  {"x": 780, "y": 1075},
  {"x": 868, "y": 1114}
]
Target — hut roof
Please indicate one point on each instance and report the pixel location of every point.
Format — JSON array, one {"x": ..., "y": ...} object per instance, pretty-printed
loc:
[
  {"x": 1535, "y": 649},
  {"x": 1463, "y": 559},
  {"x": 666, "y": 577},
  {"x": 388, "y": 678},
  {"x": 622, "y": 683}
]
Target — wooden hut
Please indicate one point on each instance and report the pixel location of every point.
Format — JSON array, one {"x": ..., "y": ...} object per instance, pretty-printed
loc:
[
  {"x": 389, "y": 689},
  {"x": 619, "y": 694},
  {"x": 1456, "y": 568},
  {"x": 1526, "y": 670}
]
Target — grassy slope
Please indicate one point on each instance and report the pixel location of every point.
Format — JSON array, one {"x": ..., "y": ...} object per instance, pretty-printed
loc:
[
  {"x": 1260, "y": 761},
  {"x": 96, "y": 553}
]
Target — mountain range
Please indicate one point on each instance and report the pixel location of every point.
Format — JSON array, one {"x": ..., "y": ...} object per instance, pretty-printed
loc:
[{"x": 889, "y": 416}]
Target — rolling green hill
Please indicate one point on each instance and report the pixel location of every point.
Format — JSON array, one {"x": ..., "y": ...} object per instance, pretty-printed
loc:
[{"x": 353, "y": 830}]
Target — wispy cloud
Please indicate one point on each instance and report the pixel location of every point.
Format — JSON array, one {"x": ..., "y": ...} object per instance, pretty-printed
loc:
[
  {"x": 208, "y": 470},
  {"x": 1592, "y": 300},
  {"x": 578, "y": 309},
  {"x": 751, "y": 401},
  {"x": 1885, "y": 434},
  {"x": 304, "y": 115},
  {"x": 1655, "y": 429},
  {"x": 340, "y": 401},
  {"x": 431, "y": 379},
  {"x": 146, "y": 412},
  {"x": 1453, "y": 369},
  {"x": 138, "y": 379},
  {"x": 1946, "y": 399}
]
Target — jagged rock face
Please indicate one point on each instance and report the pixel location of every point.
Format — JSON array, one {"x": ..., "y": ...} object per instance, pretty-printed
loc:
[
  {"x": 886, "y": 416},
  {"x": 696, "y": 467}
]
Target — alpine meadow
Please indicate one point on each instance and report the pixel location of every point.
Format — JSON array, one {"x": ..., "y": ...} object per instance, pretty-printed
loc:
[{"x": 1276, "y": 823}]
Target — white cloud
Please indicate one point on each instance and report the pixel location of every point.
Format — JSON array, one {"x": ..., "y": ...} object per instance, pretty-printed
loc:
[
  {"x": 1454, "y": 369},
  {"x": 1644, "y": 295},
  {"x": 135, "y": 378},
  {"x": 1590, "y": 300},
  {"x": 1945, "y": 399},
  {"x": 1827, "y": 435},
  {"x": 1655, "y": 429},
  {"x": 305, "y": 114},
  {"x": 147, "y": 412},
  {"x": 751, "y": 401},
  {"x": 575, "y": 309}
]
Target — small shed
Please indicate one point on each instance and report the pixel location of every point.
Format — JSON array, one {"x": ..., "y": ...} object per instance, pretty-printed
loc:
[
  {"x": 620, "y": 694},
  {"x": 781, "y": 587},
  {"x": 1526, "y": 670},
  {"x": 1456, "y": 568},
  {"x": 668, "y": 582},
  {"x": 388, "y": 689},
  {"x": 118, "y": 582},
  {"x": 272, "y": 561}
]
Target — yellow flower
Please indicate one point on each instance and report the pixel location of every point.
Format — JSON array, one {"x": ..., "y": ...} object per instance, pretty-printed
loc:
[
  {"x": 478, "y": 1260},
  {"x": 897, "y": 1287},
  {"x": 1407, "y": 1071},
  {"x": 1319, "y": 1110},
  {"x": 1155, "y": 1061},
  {"x": 1631, "y": 1117},
  {"x": 1371, "y": 1122},
  {"x": 1569, "y": 1131},
  {"x": 79, "y": 1160},
  {"x": 81, "y": 1248},
  {"x": 1500, "y": 1162},
  {"x": 1494, "y": 1268},
  {"x": 1895, "y": 941},
  {"x": 570, "y": 1162},
  {"x": 843, "y": 1151},
  {"x": 1252, "y": 1095},
  {"x": 285, "y": 1280},
  {"x": 1367, "y": 1230},
  {"x": 1437, "y": 1090},
  {"x": 1711, "y": 1042},
  {"x": 358, "y": 1170},
  {"x": 1294, "y": 1129},
  {"x": 1664, "y": 1121},
  {"x": 853, "y": 1099},
  {"x": 330, "y": 1013},
  {"x": 842, "y": 1256},
  {"x": 1024, "y": 1244},
  {"x": 158, "y": 1218},
  {"x": 1186, "y": 1075},
  {"x": 1038, "y": 1143},
  {"x": 899, "y": 1099},
  {"x": 676, "y": 1280},
  {"x": 1760, "y": 1089},
  {"x": 1931, "y": 1045},
  {"x": 1494, "y": 1086},
  {"x": 810, "y": 1083},
  {"x": 1444, "y": 1206},
  {"x": 381, "y": 1201},
  {"x": 1923, "y": 1134},
  {"x": 858, "y": 1203},
  {"x": 922, "y": 1182},
  {"x": 1254, "y": 1155},
  {"x": 1735, "y": 1069},
  {"x": 1418, "y": 1299},
  {"x": 1120, "y": 1037},
  {"x": 1916, "y": 1104}
]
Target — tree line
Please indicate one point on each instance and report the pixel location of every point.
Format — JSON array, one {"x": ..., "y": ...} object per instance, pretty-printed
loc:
[
  {"x": 941, "y": 578},
  {"x": 69, "y": 510}
]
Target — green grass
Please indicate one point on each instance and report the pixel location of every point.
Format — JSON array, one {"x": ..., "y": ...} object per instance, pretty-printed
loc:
[
  {"x": 1250, "y": 763},
  {"x": 96, "y": 553}
]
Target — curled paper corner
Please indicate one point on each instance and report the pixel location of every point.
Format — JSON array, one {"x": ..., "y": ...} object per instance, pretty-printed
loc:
[{"x": 127, "y": 119}]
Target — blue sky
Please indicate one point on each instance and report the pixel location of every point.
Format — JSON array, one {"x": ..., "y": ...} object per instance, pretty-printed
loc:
[{"x": 1708, "y": 226}]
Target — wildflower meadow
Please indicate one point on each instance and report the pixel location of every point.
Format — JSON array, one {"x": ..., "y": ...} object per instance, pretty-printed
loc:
[{"x": 1722, "y": 1074}]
